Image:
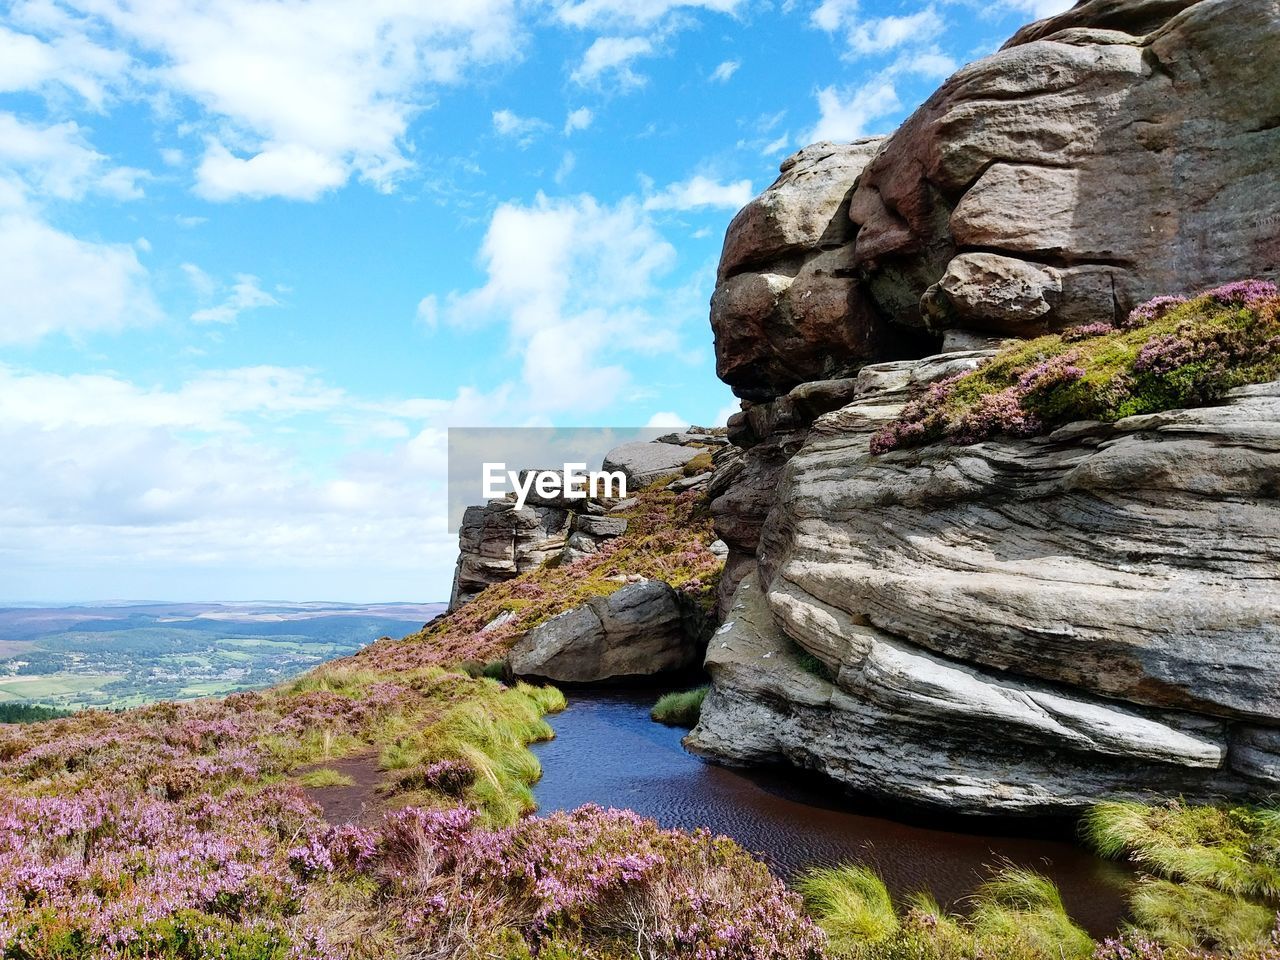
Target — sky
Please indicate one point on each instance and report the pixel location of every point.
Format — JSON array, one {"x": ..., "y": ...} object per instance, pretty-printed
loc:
[{"x": 257, "y": 256}]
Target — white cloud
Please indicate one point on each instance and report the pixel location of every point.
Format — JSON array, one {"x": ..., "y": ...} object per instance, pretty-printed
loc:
[
  {"x": 881, "y": 35},
  {"x": 701, "y": 192},
  {"x": 245, "y": 294},
  {"x": 105, "y": 477},
  {"x": 1038, "y": 8},
  {"x": 665, "y": 419},
  {"x": 578, "y": 119},
  {"x": 428, "y": 312},
  {"x": 28, "y": 62},
  {"x": 567, "y": 164},
  {"x": 725, "y": 71},
  {"x": 289, "y": 170},
  {"x": 56, "y": 161},
  {"x": 931, "y": 64},
  {"x": 590, "y": 13},
  {"x": 521, "y": 129},
  {"x": 832, "y": 15},
  {"x": 847, "y": 115},
  {"x": 576, "y": 284},
  {"x": 612, "y": 57},
  {"x": 324, "y": 88},
  {"x": 52, "y": 282}
]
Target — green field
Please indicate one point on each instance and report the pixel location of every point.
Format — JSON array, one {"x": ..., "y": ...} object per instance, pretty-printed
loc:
[{"x": 113, "y": 657}]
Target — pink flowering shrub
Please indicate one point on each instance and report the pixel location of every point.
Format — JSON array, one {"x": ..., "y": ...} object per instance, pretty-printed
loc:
[
  {"x": 606, "y": 881},
  {"x": 1171, "y": 352}
]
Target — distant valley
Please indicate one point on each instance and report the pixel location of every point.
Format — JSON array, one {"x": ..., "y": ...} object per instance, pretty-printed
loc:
[{"x": 123, "y": 655}]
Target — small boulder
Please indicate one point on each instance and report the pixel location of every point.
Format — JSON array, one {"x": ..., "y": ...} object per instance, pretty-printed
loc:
[
  {"x": 641, "y": 630},
  {"x": 642, "y": 463}
]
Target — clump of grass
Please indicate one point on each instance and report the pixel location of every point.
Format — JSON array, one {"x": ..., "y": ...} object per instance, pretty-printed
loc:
[
  {"x": 1191, "y": 915},
  {"x": 326, "y": 777},
  {"x": 493, "y": 670},
  {"x": 344, "y": 680},
  {"x": 1021, "y": 908},
  {"x": 1212, "y": 874},
  {"x": 680, "y": 708},
  {"x": 1172, "y": 352},
  {"x": 851, "y": 903},
  {"x": 1017, "y": 915},
  {"x": 488, "y": 731}
]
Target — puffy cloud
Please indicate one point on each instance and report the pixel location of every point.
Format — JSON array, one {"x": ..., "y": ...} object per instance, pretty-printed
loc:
[
  {"x": 521, "y": 129},
  {"x": 52, "y": 282},
  {"x": 832, "y": 15},
  {"x": 881, "y": 35},
  {"x": 55, "y": 161},
  {"x": 578, "y": 119},
  {"x": 245, "y": 295},
  {"x": 665, "y": 419},
  {"x": 576, "y": 284},
  {"x": 589, "y": 13},
  {"x": 289, "y": 170},
  {"x": 847, "y": 115},
  {"x": 297, "y": 97},
  {"x": 725, "y": 71},
  {"x": 701, "y": 192},
  {"x": 106, "y": 476},
  {"x": 1038, "y": 8},
  {"x": 28, "y": 62},
  {"x": 611, "y": 57}
]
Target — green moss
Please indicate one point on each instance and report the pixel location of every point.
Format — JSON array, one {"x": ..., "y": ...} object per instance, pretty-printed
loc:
[{"x": 679, "y": 709}]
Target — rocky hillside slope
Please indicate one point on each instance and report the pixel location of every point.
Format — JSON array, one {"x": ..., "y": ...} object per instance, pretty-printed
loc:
[{"x": 1021, "y": 624}]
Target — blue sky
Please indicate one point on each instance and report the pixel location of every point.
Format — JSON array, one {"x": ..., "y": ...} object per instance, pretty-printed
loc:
[{"x": 256, "y": 256}]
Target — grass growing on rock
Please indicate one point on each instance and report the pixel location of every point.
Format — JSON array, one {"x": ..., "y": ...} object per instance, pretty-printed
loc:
[
  {"x": 1171, "y": 352},
  {"x": 680, "y": 708},
  {"x": 1016, "y": 915},
  {"x": 1212, "y": 873},
  {"x": 668, "y": 538}
]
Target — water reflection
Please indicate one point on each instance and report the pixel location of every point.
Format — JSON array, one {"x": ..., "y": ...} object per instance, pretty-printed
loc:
[{"x": 607, "y": 751}]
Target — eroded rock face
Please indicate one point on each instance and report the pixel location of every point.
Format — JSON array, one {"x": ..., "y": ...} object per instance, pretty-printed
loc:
[
  {"x": 904, "y": 724},
  {"x": 641, "y": 630},
  {"x": 1122, "y": 150},
  {"x": 497, "y": 542},
  {"x": 1016, "y": 626},
  {"x": 786, "y": 308}
]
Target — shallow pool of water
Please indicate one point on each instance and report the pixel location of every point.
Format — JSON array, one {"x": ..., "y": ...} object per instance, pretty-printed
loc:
[{"x": 607, "y": 751}]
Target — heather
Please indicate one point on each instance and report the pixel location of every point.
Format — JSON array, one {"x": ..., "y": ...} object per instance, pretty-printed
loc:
[
  {"x": 1211, "y": 875},
  {"x": 1170, "y": 352},
  {"x": 668, "y": 538}
]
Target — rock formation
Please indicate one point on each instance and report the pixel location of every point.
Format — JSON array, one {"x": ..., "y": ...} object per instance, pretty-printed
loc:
[
  {"x": 641, "y": 630},
  {"x": 1015, "y": 626},
  {"x": 497, "y": 542},
  {"x": 1124, "y": 149},
  {"x": 1018, "y": 626}
]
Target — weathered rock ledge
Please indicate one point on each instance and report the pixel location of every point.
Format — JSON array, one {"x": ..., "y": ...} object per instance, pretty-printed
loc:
[{"x": 1016, "y": 626}]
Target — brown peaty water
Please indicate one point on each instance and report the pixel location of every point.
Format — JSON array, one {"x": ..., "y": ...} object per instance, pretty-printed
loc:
[{"x": 607, "y": 751}]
